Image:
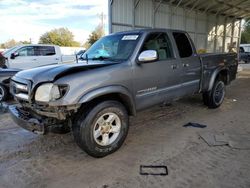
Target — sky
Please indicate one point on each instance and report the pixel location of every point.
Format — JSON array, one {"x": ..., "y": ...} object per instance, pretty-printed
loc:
[{"x": 29, "y": 19}]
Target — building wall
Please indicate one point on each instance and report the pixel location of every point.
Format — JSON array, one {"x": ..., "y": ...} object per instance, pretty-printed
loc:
[{"x": 208, "y": 31}]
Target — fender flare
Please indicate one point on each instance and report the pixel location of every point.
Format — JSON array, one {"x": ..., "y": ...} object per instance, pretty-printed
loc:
[
  {"x": 214, "y": 76},
  {"x": 109, "y": 90}
]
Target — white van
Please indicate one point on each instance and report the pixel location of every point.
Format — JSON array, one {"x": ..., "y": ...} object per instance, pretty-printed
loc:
[{"x": 35, "y": 55}]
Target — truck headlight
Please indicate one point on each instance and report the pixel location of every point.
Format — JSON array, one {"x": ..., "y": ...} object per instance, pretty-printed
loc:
[{"x": 50, "y": 92}]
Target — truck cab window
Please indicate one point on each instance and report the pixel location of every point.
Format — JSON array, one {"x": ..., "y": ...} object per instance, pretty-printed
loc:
[
  {"x": 159, "y": 42},
  {"x": 45, "y": 50},
  {"x": 183, "y": 44},
  {"x": 26, "y": 51}
]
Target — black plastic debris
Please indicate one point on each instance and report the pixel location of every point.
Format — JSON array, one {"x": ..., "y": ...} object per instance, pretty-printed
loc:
[
  {"x": 158, "y": 170},
  {"x": 3, "y": 108},
  {"x": 196, "y": 125}
]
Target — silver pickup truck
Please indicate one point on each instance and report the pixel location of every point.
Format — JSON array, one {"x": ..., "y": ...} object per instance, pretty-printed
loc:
[{"x": 119, "y": 75}]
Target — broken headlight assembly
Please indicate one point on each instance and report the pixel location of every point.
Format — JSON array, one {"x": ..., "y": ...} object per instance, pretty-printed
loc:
[{"x": 50, "y": 92}]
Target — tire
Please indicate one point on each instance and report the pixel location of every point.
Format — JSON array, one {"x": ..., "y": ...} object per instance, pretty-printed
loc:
[
  {"x": 3, "y": 93},
  {"x": 101, "y": 130},
  {"x": 215, "y": 97}
]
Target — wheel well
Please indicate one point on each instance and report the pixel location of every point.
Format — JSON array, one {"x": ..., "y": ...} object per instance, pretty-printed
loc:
[
  {"x": 223, "y": 75},
  {"x": 123, "y": 99}
]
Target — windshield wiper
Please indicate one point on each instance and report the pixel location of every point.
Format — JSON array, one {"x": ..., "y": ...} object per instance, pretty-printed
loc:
[{"x": 101, "y": 58}]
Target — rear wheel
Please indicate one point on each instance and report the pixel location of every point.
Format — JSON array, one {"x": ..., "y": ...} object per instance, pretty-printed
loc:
[
  {"x": 215, "y": 97},
  {"x": 3, "y": 93},
  {"x": 101, "y": 130}
]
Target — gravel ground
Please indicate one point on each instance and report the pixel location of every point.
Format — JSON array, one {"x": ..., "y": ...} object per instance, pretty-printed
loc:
[{"x": 156, "y": 137}]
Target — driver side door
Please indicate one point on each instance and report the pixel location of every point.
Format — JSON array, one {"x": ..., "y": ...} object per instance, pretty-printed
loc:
[
  {"x": 26, "y": 58},
  {"x": 158, "y": 81}
]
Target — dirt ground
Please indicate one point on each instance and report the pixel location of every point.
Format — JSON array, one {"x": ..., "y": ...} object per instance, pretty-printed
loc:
[{"x": 156, "y": 137}]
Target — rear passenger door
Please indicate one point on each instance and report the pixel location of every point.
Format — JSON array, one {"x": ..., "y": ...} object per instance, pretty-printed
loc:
[
  {"x": 190, "y": 63},
  {"x": 158, "y": 81}
]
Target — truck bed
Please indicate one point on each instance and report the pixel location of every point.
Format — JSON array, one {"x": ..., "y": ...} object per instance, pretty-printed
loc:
[{"x": 218, "y": 61}]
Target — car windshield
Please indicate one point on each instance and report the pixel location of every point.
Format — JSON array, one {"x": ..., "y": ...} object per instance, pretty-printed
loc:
[{"x": 117, "y": 47}]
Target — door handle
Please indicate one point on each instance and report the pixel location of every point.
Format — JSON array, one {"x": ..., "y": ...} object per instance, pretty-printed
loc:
[
  {"x": 185, "y": 65},
  {"x": 34, "y": 59},
  {"x": 174, "y": 66}
]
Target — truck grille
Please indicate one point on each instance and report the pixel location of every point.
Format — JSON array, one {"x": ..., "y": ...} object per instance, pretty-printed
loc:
[{"x": 20, "y": 90}]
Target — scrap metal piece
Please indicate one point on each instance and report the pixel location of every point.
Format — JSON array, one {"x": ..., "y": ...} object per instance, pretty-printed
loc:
[
  {"x": 155, "y": 170},
  {"x": 210, "y": 139},
  {"x": 3, "y": 107},
  {"x": 233, "y": 140}
]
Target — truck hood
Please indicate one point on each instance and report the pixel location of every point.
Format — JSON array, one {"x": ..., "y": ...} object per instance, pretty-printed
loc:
[
  {"x": 8, "y": 72},
  {"x": 53, "y": 72}
]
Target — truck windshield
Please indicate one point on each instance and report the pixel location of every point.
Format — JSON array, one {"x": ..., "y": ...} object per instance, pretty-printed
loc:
[
  {"x": 117, "y": 47},
  {"x": 11, "y": 50}
]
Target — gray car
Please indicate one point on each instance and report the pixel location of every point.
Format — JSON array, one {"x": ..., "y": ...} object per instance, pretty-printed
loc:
[{"x": 120, "y": 74}]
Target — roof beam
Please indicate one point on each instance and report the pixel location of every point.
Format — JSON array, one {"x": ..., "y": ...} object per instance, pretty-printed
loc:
[
  {"x": 230, "y": 8},
  {"x": 245, "y": 15},
  {"x": 136, "y": 3},
  {"x": 157, "y": 6},
  {"x": 171, "y": 1},
  {"x": 229, "y": 5},
  {"x": 238, "y": 13},
  {"x": 201, "y": 6},
  {"x": 184, "y": 5},
  {"x": 209, "y": 7},
  {"x": 236, "y": 4},
  {"x": 194, "y": 5},
  {"x": 178, "y": 4}
]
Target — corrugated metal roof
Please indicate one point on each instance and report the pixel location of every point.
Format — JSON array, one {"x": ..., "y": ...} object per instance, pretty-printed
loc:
[{"x": 230, "y": 8}]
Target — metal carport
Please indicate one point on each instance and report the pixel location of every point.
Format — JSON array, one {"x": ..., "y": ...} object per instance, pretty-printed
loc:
[{"x": 214, "y": 25}]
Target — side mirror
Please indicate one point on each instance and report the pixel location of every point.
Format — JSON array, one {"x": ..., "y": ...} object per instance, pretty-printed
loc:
[
  {"x": 14, "y": 55},
  {"x": 148, "y": 56}
]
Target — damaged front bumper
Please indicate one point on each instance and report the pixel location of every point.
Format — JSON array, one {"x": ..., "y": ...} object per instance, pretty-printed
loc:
[{"x": 26, "y": 120}]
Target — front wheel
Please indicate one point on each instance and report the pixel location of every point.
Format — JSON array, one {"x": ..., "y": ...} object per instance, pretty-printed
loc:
[
  {"x": 101, "y": 130},
  {"x": 215, "y": 97},
  {"x": 3, "y": 93}
]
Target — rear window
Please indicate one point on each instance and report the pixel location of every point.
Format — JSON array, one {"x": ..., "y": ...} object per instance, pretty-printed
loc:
[
  {"x": 45, "y": 50},
  {"x": 183, "y": 45}
]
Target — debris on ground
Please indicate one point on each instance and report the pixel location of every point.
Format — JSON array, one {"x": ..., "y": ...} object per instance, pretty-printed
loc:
[
  {"x": 233, "y": 140},
  {"x": 240, "y": 68},
  {"x": 3, "y": 107},
  {"x": 196, "y": 125},
  {"x": 153, "y": 170}
]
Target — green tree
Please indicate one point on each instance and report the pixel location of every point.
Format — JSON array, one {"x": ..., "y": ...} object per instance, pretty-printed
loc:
[
  {"x": 245, "y": 35},
  {"x": 60, "y": 37},
  {"x": 25, "y": 42},
  {"x": 12, "y": 42},
  {"x": 9, "y": 44},
  {"x": 94, "y": 36}
]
